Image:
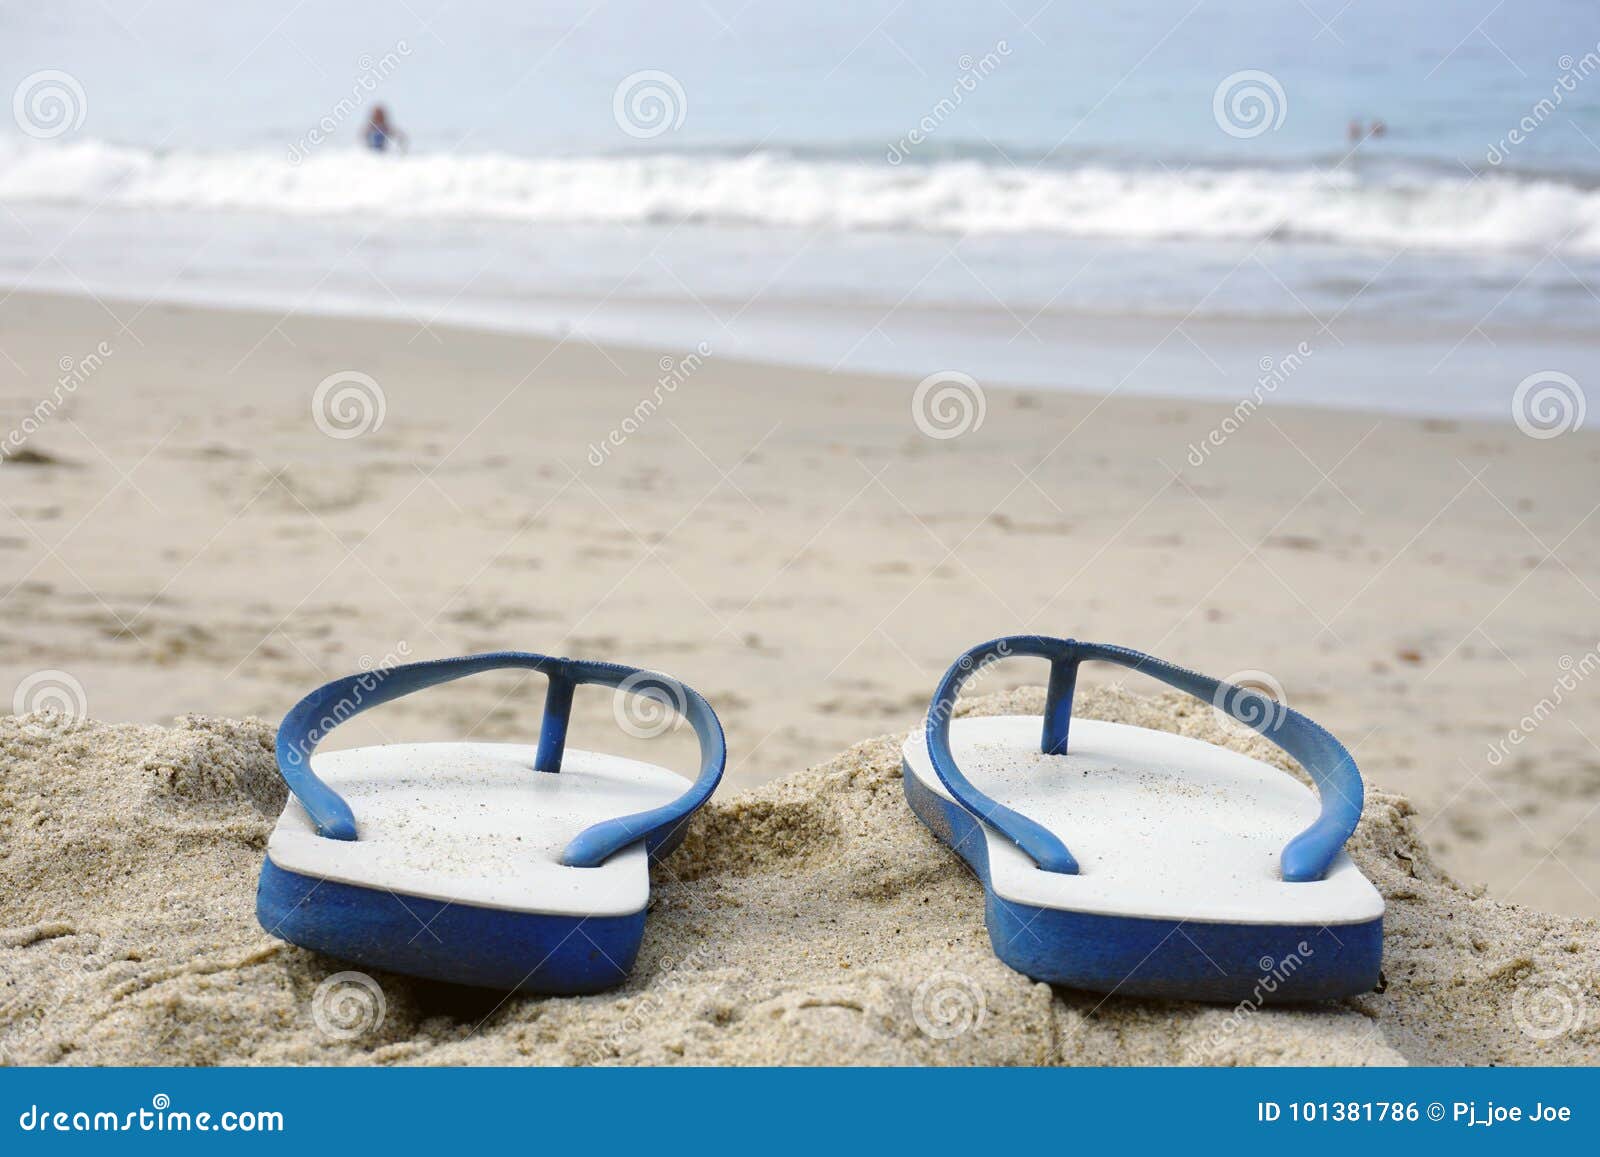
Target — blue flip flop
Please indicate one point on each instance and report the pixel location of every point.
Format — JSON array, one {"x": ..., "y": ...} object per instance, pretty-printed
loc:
[
  {"x": 501, "y": 865},
  {"x": 1196, "y": 872}
]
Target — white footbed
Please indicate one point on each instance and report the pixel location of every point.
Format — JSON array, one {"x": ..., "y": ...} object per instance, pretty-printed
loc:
[
  {"x": 474, "y": 823},
  {"x": 1162, "y": 826}
]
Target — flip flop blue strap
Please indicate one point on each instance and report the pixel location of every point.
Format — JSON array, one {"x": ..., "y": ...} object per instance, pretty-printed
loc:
[
  {"x": 1306, "y": 857},
  {"x": 309, "y": 721}
]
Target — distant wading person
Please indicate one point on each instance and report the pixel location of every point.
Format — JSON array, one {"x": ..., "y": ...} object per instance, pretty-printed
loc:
[
  {"x": 380, "y": 133},
  {"x": 1357, "y": 135}
]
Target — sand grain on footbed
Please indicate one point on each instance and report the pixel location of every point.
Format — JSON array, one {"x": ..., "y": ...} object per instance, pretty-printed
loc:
[{"x": 811, "y": 921}]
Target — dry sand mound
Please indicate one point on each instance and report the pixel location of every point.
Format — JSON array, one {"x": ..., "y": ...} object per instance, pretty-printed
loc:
[{"x": 809, "y": 921}]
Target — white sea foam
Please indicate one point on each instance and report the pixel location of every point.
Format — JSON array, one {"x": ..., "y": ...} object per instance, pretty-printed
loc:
[{"x": 1423, "y": 209}]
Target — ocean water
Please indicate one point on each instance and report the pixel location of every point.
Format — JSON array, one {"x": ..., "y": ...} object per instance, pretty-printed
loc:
[{"x": 1139, "y": 197}]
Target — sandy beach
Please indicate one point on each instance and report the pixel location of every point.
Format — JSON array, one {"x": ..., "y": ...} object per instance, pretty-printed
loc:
[
  {"x": 193, "y": 531},
  {"x": 809, "y": 921},
  {"x": 182, "y": 535}
]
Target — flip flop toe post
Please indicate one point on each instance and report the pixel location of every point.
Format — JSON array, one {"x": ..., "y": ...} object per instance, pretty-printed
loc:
[
  {"x": 1194, "y": 871},
  {"x": 507, "y": 866}
]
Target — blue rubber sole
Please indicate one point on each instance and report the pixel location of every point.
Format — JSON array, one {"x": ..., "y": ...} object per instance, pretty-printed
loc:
[
  {"x": 1132, "y": 956},
  {"x": 456, "y": 943}
]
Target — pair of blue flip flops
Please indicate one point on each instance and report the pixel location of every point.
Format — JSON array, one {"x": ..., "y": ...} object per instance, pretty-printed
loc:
[{"x": 1194, "y": 871}]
